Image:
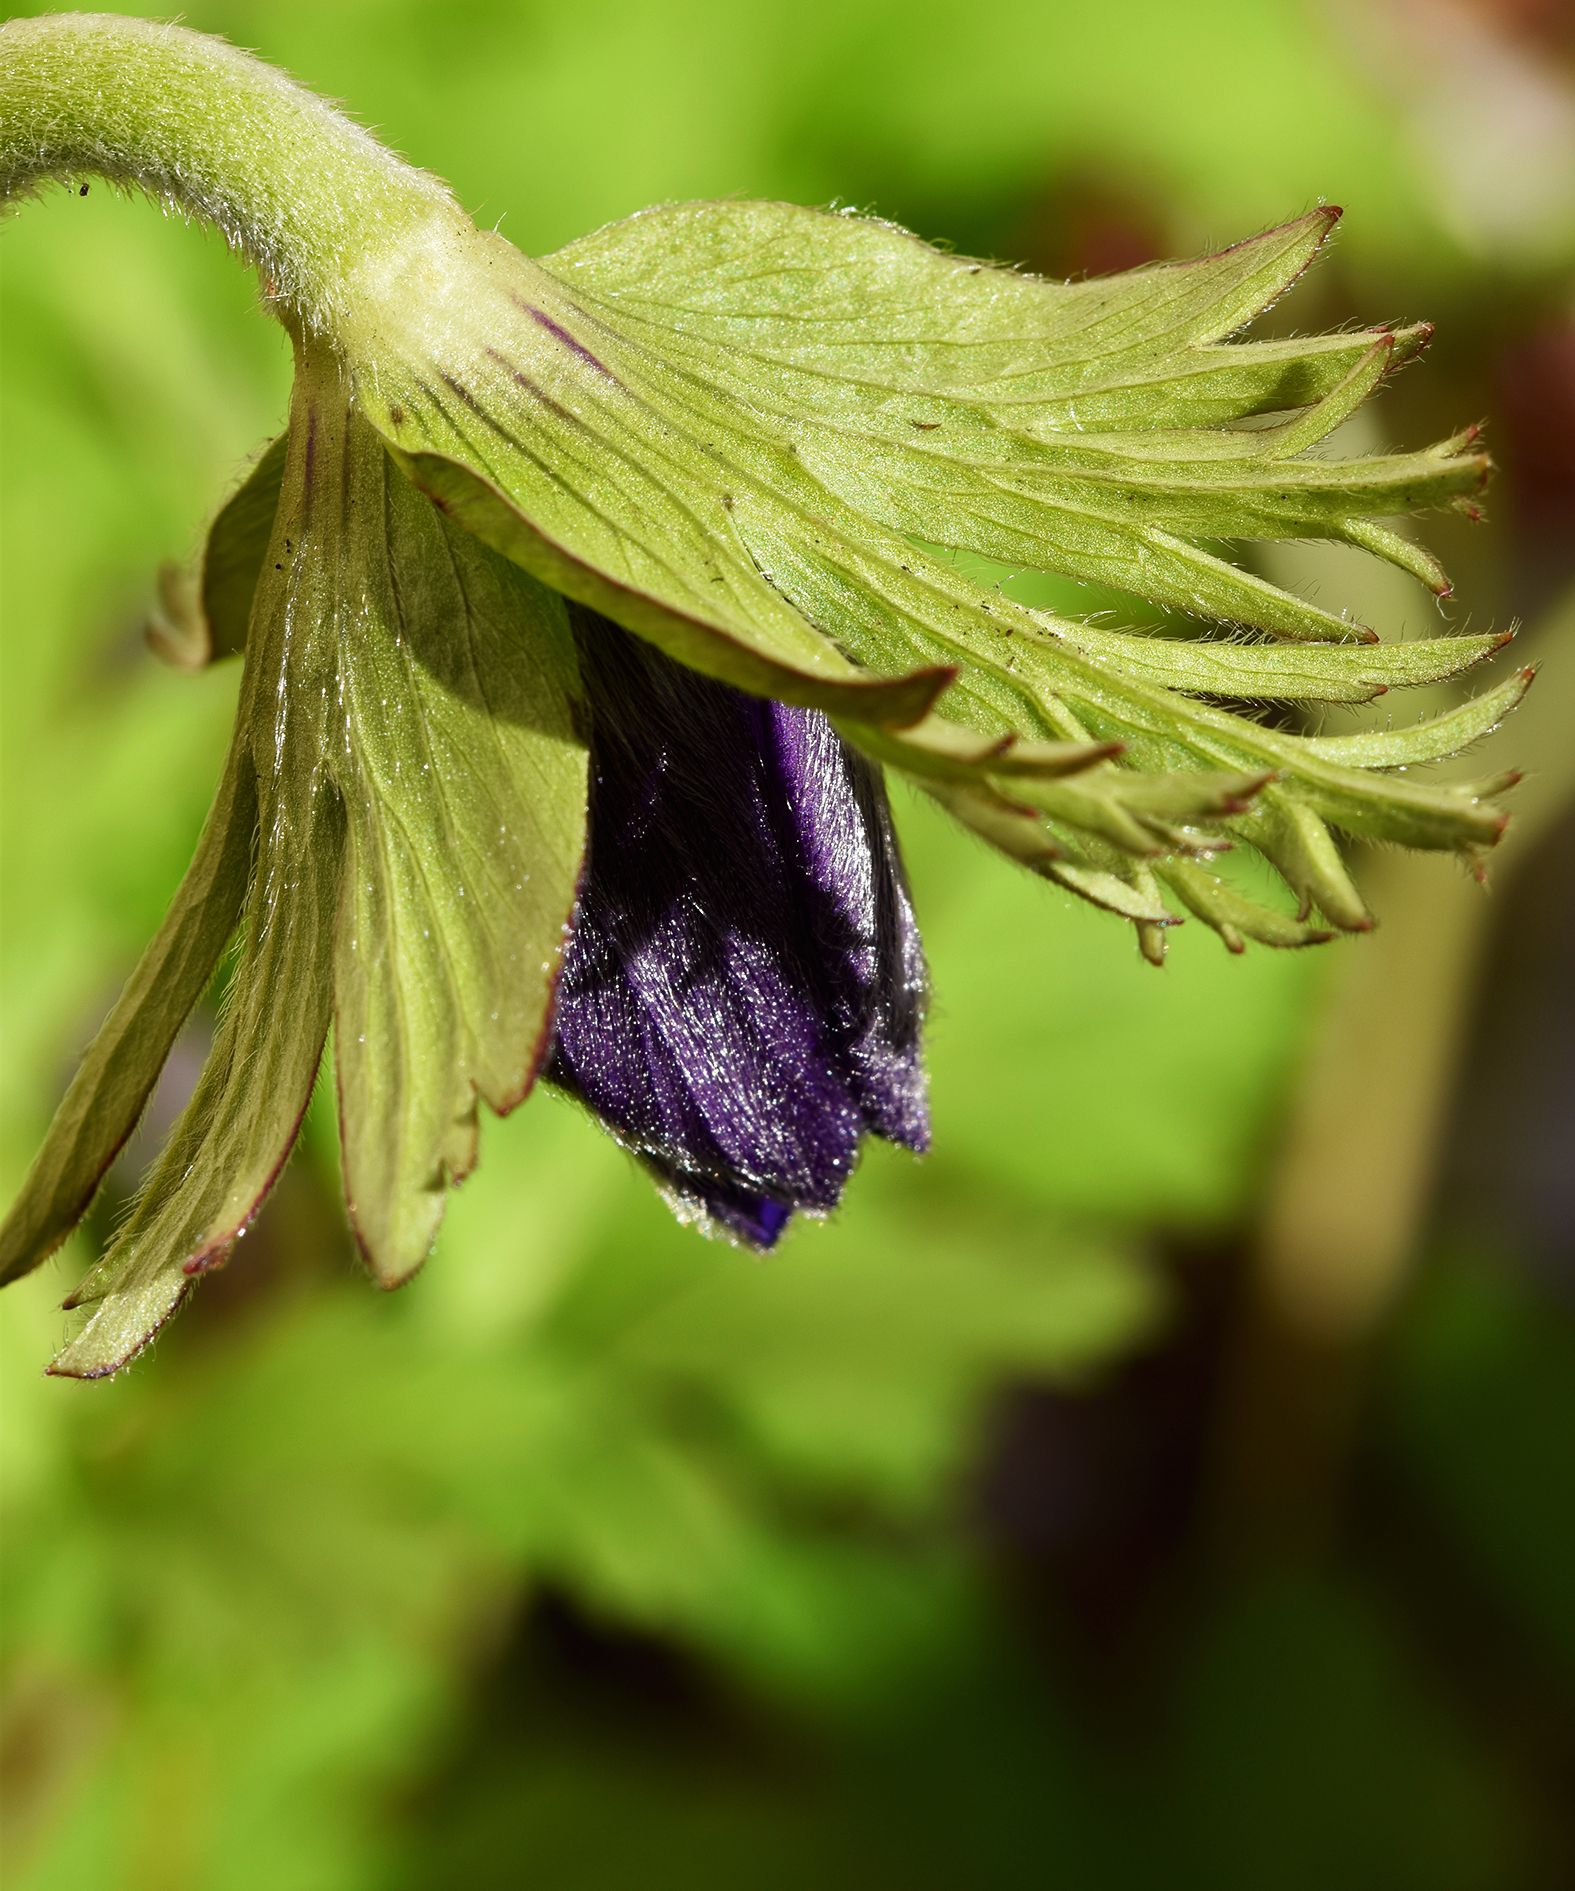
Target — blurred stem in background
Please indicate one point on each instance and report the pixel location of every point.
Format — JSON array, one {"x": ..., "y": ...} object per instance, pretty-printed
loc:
[
  {"x": 1484, "y": 99},
  {"x": 1351, "y": 1194}
]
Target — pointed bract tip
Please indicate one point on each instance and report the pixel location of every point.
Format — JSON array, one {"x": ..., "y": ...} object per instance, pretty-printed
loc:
[
  {"x": 211, "y": 1258},
  {"x": 1488, "y": 790},
  {"x": 901, "y": 701},
  {"x": 1250, "y": 789},
  {"x": 1151, "y": 942},
  {"x": 1411, "y": 339}
]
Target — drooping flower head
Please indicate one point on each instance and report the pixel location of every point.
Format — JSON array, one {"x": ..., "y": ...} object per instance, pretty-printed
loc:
[{"x": 584, "y": 601}]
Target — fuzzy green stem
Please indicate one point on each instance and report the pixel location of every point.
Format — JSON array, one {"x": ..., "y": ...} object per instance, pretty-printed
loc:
[{"x": 303, "y": 193}]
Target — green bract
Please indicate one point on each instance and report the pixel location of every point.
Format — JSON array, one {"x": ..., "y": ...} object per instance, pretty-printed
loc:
[
  {"x": 754, "y": 435},
  {"x": 750, "y": 432},
  {"x": 397, "y": 841}
]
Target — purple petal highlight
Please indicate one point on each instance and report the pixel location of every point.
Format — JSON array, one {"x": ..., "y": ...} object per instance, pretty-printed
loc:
[{"x": 743, "y": 995}]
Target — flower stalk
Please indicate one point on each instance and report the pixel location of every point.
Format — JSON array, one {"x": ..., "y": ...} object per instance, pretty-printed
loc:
[{"x": 325, "y": 213}]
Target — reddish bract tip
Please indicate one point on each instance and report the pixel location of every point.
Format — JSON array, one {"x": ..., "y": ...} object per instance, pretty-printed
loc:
[{"x": 213, "y": 1257}]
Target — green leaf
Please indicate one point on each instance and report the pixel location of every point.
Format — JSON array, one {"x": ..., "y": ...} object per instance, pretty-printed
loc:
[
  {"x": 121, "y": 1066},
  {"x": 759, "y": 435},
  {"x": 203, "y": 613}
]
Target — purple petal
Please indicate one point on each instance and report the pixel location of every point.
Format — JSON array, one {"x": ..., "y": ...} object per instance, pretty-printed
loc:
[{"x": 743, "y": 995}]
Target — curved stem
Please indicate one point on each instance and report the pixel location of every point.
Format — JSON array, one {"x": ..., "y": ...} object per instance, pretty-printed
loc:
[{"x": 303, "y": 193}]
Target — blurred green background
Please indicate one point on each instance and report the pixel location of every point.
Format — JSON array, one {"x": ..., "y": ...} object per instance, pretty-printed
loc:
[{"x": 1169, "y": 1482}]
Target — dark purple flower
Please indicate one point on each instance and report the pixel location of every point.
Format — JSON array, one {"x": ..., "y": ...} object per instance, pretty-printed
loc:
[{"x": 742, "y": 999}]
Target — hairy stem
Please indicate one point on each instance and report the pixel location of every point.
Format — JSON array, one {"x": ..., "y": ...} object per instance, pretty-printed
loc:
[{"x": 303, "y": 193}]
